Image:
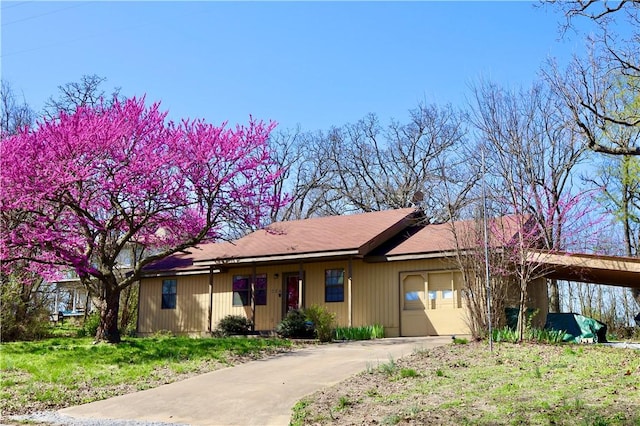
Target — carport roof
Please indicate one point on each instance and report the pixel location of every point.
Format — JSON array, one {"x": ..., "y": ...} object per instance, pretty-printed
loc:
[{"x": 591, "y": 268}]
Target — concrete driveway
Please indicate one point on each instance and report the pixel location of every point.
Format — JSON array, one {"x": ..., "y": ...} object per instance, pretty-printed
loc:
[{"x": 255, "y": 393}]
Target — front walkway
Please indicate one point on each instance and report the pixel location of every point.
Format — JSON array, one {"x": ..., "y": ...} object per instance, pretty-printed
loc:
[{"x": 256, "y": 393}]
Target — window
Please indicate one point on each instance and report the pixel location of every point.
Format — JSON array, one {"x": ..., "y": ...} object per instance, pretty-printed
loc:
[
  {"x": 334, "y": 285},
  {"x": 169, "y": 291},
  {"x": 242, "y": 290}
]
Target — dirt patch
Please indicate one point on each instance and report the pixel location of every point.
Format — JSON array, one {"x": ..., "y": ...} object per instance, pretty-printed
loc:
[{"x": 465, "y": 384}]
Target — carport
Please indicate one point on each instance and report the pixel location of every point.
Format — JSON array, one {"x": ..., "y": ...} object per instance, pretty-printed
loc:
[{"x": 590, "y": 268}]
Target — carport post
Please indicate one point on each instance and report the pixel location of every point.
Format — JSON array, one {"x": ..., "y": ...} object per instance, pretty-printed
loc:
[
  {"x": 300, "y": 285},
  {"x": 253, "y": 297},
  {"x": 349, "y": 297},
  {"x": 210, "y": 310}
]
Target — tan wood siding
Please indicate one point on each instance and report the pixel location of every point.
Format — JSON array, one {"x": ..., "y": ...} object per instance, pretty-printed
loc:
[
  {"x": 377, "y": 297},
  {"x": 190, "y": 313},
  {"x": 266, "y": 316},
  {"x": 315, "y": 288}
]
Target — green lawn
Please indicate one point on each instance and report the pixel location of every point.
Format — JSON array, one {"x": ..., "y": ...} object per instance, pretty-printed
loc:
[{"x": 64, "y": 371}]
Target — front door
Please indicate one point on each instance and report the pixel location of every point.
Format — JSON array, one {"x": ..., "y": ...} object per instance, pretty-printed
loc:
[{"x": 291, "y": 291}]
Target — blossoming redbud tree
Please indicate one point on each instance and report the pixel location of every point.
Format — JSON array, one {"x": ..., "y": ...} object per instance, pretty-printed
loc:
[{"x": 79, "y": 190}]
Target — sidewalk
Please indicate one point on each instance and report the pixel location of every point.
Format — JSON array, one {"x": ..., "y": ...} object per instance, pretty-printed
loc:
[{"x": 256, "y": 393}]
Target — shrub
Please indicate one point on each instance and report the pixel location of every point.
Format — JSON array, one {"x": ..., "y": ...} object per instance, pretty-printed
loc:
[
  {"x": 295, "y": 325},
  {"x": 233, "y": 325},
  {"x": 322, "y": 320},
  {"x": 90, "y": 326},
  {"x": 23, "y": 315}
]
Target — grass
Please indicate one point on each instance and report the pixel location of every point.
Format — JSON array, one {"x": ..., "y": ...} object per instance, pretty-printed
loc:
[
  {"x": 515, "y": 384},
  {"x": 64, "y": 371},
  {"x": 368, "y": 332}
]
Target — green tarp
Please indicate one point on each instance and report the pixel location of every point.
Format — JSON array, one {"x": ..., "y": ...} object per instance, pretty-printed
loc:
[{"x": 577, "y": 328}]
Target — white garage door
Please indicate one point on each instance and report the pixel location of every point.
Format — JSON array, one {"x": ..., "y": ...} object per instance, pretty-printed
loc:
[{"x": 431, "y": 304}]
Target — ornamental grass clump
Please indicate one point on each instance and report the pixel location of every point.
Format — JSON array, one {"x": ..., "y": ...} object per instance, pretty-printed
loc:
[{"x": 367, "y": 332}]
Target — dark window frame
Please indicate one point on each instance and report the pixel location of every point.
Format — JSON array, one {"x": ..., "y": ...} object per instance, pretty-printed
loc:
[
  {"x": 334, "y": 285},
  {"x": 169, "y": 293},
  {"x": 241, "y": 296}
]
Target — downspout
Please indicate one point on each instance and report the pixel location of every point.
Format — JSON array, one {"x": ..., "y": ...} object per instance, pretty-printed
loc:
[
  {"x": 349, "y": 294},
  {"x": 210, "y": 310}
]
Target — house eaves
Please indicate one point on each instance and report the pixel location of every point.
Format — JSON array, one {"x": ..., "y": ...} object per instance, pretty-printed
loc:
[
  {"x": 314, "y": 238},
  {"x": 282, "y": 258}
]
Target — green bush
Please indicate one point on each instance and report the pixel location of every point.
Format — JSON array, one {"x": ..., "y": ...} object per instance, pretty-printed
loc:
[
  {"x": 234, "y": 325},
  {"x": 295, "y": 325},
  {"x": 23, "y": 315},
  {"x": 323, "y": 321},
  {"x": 90, "y": 326}
]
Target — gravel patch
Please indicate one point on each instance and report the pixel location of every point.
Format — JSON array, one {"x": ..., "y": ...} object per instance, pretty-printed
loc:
[
  {"x": 56, "y": 418},
  {"x": 623, "y": 345}
]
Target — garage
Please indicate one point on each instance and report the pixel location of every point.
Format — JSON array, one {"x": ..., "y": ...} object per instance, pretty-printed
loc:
[{"x": 431, "y": 304}]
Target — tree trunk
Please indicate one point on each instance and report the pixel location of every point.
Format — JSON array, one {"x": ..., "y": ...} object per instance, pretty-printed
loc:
[
  {"x": 129, "y": 304},
  {"x": 554, "y": 296},
  {"x": 522, "y": 312},
  {"x": 108, "y": 329}
]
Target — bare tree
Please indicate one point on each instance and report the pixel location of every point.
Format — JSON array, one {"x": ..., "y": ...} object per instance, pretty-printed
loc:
[
  {"x": 306, "y": 173},
  {"x": 532, "y": 155},
  {"x": 602, "y": 91},
  {"x": 86, "y": 92},
  {"x": 372, "y": 167},
  {"x": 618, "y": 180},
  {"x": 14, "y": 114}
]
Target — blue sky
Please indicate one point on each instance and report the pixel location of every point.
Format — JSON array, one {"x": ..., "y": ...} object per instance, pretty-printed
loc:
[{"x": 313, "y": 64}]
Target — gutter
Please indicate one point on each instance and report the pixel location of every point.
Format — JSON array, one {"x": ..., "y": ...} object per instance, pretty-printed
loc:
[{"x": 276, "y": 258}]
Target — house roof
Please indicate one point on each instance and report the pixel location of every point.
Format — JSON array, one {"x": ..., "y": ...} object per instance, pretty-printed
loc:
[
  {"x": 354, "y": 235},
  {"x": 458, "y": 235},
  {"x": 390, "y": 235},
  {"x": 332, "y": 236}
]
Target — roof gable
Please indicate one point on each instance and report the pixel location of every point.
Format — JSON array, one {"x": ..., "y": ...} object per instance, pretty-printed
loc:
[
  {"x": 459, "y": 235},
  {"x": 356, "y": 235}
]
